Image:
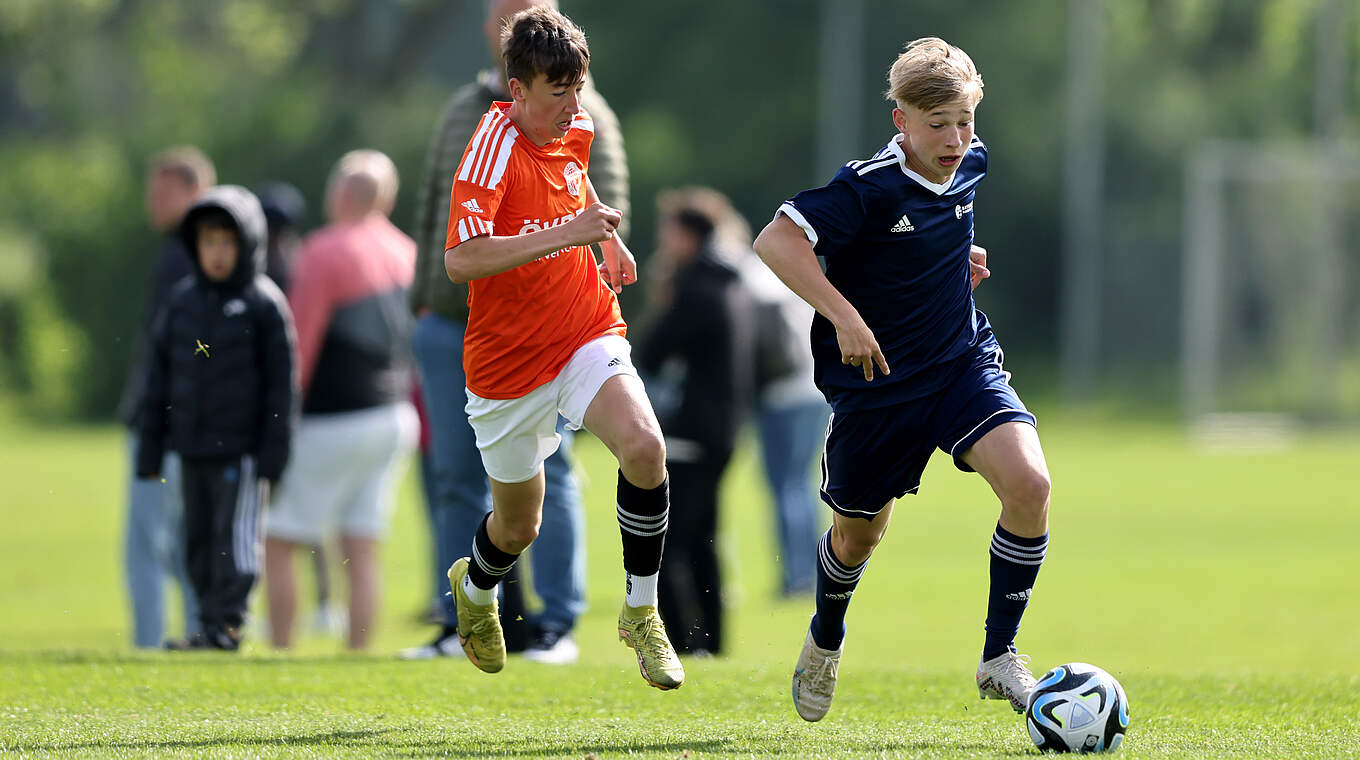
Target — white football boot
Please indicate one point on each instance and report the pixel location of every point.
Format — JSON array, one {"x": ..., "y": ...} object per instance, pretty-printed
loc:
[
  {"x": 1006, "y": 677},
  {"x": 814, "y": 679}
]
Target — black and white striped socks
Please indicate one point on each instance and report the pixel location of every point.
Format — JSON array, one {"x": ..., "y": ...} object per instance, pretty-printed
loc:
[
  {"x": 644, "y": 514},
  {"x": 487, "y": 565}
]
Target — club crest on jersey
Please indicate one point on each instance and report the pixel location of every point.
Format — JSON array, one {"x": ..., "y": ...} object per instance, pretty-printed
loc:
[
  {"x": 572, "y": 174},
  {"x": 966, "y": 208}
]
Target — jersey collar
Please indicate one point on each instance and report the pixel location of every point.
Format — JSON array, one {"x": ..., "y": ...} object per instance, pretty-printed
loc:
[{"x": 895, "y": 147}]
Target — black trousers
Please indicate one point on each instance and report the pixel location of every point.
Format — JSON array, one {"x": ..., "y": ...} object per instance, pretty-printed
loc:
[
  {"x": 222, "y": 503},
  {"x": 690, "y": 584}
]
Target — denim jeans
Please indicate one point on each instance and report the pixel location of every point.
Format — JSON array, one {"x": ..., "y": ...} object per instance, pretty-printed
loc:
[
  {"x": 461, "y": 494},
  {"x": 790, "y": 441},
  {"x": 153, "y": 548}
]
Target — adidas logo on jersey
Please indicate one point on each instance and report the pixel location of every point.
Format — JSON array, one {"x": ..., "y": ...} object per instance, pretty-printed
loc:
[
  {"x": 471, "y": 205},
  {"x": 903, "y": 225}
]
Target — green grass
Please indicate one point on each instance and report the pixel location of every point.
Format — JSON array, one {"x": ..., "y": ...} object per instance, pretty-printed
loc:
[{"x": 1220, "y": 589}]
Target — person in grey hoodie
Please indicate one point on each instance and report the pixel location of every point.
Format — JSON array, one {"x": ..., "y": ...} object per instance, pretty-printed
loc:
[{"x": 221, "y": 390}]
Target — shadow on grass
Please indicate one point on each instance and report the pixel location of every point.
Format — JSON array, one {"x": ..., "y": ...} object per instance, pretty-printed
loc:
[
  {"x": 328, "y": 738},
  {"x": 605, "y": 748},
  {"x": 373, "y": 741},
  {"x": 534, "y": 748},
  {"x": 164, "y": 657}
]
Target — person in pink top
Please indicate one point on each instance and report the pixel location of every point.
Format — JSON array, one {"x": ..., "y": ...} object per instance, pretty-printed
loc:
[{"x": 348, "y": 295}]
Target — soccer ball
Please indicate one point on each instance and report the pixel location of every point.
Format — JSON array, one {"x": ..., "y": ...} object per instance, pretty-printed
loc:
[{"x": 1077, "y": 708}]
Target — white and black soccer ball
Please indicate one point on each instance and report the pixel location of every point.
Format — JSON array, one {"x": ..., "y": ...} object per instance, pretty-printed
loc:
[{"x": 1077, "y": 708}]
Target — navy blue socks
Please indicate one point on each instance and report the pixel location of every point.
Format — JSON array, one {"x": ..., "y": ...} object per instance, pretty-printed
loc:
[
  {"x": 1015, "y": 565},
  {"x": 836, "y": 583}
]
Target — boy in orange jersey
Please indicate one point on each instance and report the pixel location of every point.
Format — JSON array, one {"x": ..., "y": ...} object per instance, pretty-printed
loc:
[{"x": 545, "y": 336}]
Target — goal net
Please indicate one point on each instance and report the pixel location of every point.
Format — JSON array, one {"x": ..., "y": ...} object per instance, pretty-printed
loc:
[{"x": 1271, "y": 285}]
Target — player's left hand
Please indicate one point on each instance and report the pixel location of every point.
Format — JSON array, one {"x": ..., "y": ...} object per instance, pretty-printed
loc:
[
  {"x": 977, "y": 265},
  {"x": 618, "y": 268}
]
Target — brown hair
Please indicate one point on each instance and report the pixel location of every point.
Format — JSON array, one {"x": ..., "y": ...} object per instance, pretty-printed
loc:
[
  {"x": 189, "y": 165},
  {"x": 540, "y": 40},
  {"x": 705, "y": 212},
  {"x": 930, "y": 73}
]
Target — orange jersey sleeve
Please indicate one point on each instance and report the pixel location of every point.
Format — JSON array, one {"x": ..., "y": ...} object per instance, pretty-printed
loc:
[
  {"x": 479, "y": 184},
  {"x": 525, "y": 324}
]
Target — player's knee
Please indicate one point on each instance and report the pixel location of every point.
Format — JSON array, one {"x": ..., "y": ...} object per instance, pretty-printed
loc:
[
  {"x": 642, "y": 457},
  {"x": 520, "y": 535},
  {"x": 854, "y": 547},
  {"x": 1028, "y": 496}
]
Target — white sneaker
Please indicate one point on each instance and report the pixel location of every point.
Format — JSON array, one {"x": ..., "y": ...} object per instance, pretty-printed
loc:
[
  {"x": 814, "y": 679},
  {"x": 443, "y": 646},
  {"x": 1006, "y": 677},
  {"x": 552, "y": 648},
  {"x": 330, "y": 620}
]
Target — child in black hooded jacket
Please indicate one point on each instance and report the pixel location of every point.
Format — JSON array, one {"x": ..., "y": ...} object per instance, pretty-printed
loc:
[{"x": 221, "y": 391}]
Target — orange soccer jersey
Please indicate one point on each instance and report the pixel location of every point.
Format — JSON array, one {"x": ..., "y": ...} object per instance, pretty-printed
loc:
[{"x": 524, "y": 324}]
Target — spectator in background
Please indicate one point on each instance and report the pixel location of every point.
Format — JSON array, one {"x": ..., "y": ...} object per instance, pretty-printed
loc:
[
  {"x": 790, "y": 413},
  {"x": 462, "y": 495},
  {"x": 348, "y": 293},
  {"x": 153, "y": 545},
  {"x": 699, "y": 346},
  {"x": 284, "y": 209},
  {"x": 220, "y": 390},
  {"x": 791, "y": 418}
]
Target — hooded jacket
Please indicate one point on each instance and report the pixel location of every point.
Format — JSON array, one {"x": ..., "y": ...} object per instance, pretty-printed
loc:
[{"x": 221, "y": 380}]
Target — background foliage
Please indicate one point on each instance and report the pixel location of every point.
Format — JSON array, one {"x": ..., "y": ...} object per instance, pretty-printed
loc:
[{"x": 708, "y": 92}]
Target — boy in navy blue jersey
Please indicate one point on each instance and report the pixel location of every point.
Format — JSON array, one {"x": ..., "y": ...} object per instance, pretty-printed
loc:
[{"x": 908, "y": 362}]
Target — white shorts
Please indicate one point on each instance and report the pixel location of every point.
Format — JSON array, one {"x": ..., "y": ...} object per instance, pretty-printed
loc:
[
  {"x": 515, "y": 435},
  {"x": 343, "y": 474}
]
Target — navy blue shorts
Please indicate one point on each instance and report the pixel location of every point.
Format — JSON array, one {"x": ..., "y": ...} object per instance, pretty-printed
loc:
[{"x": 876, "y": 455}]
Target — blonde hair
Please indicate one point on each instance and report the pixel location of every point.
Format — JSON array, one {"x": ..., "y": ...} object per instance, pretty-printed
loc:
[
  {"x": 189, "y": 164},
  {"x": 930, "y": 73},
  {"x": 370, "y": 178}
]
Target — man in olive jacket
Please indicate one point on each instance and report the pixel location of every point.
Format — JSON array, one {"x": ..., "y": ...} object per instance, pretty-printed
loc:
[{"x": 460, "y": 493}]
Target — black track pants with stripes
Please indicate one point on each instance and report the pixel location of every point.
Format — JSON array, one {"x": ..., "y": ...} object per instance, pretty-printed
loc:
[{"x": 223, "y": 499}]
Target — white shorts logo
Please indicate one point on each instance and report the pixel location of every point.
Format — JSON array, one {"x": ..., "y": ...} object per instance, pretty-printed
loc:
[{"x": 572, "y": 174}]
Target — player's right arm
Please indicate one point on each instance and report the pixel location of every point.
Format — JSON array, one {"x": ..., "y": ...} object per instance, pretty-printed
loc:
[
  {"x": 786, "y": 250},
  {"x": 472, "y": 247},
  {"x": 485, "y": 254}
]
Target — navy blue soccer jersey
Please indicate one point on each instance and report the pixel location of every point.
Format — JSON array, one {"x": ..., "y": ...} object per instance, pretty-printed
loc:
[{"x": 896, "y": 246}]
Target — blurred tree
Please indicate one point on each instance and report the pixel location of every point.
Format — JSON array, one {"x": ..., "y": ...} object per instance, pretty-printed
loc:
[{"x": 709, "y": 92}]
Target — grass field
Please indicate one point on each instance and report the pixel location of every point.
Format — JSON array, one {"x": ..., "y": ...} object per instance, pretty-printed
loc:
[{"x": 1222, "y": 590}]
